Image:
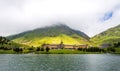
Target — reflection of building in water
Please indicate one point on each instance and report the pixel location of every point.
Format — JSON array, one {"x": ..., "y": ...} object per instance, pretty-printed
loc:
[{"x": 64, "y": 46}]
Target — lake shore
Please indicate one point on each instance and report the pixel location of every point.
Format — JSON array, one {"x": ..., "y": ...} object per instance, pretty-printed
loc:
[{"x": 52, "y": 52}]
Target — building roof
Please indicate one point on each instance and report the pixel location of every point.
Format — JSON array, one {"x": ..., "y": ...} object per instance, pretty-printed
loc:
[{"x": 65, "y": 44}]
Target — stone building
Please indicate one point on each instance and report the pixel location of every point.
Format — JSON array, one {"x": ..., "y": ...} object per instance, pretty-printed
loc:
[{"x": 64, "y": 46}]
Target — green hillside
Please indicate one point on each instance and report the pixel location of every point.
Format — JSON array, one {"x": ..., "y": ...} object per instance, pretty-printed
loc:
[
  {"x": 7, "y": 44},
  {"x": 51, "y": 35},
  {"x": 111, "y": 35}
]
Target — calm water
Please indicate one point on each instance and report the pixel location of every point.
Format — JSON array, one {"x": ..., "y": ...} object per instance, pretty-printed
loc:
[{"x": 59, "y": 62}]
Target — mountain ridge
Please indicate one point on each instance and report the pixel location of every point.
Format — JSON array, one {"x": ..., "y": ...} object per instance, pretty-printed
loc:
[
  {"x": 53, "y": 28},
  {"x": 50, "y": 34}
]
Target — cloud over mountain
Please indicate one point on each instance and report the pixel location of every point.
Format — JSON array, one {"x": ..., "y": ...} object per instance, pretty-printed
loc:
[{"x": 89, "y": 16}]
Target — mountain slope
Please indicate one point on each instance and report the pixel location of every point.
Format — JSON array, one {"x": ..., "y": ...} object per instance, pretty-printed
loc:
[
  {"x": 7, "y": 44},
  {"x": 111, "y": 35},
  {"x": 51, "y": 35}
]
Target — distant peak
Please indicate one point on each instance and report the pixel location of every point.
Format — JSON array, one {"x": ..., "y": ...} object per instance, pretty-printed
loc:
[{"x": 59, "y": 24}]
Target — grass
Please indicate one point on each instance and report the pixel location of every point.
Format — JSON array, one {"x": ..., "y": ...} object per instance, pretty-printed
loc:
[
  {"x": 59, "y": 51},
  {"x": 104, "y": 39},
  {"x": 117, "y": 50},
  {"x": 7, "y": 52},
  {"x": 38, "y": 41},
  {"x": 66, "y": 51}
]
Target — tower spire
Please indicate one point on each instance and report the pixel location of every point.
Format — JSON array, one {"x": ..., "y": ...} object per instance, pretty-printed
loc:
[{"x": 61, "y": 45}]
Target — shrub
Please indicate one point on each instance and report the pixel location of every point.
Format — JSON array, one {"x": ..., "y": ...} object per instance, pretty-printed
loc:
[
  {"x": 80, "y": 49},
  {"x": 7, "y": 48},
  {"x": 42, "y": 49},
  {"x": 111, "y": 49},
  {"x": 47, "y": 49},
  {"x": 17, "y": 49},
  {"x": 38, "y": 49},
  {"x": 31, "y": 48}
]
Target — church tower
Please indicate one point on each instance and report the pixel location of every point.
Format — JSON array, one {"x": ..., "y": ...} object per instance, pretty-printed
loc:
[{"x": 61, "y": 45}]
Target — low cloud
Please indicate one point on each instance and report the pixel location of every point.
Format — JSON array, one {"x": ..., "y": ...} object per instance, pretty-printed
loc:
[{"x": 89, "y": 16}]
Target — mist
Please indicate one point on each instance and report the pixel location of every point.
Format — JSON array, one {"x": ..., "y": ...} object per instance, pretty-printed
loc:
[{"x": 89, "y": 16}]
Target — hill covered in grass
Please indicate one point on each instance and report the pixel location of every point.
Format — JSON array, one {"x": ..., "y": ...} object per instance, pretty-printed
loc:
[
  {"x": 6, "y": 44},
  {"x": 111, "y": 36},
  {"x": 50, "y": 35}
]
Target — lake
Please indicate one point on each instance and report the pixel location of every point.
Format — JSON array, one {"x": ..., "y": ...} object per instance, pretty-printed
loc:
[{"x": 59, "y": 62}]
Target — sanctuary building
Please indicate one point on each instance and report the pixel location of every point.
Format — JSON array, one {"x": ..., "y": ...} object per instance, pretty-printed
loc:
[{"x": 64, "y": 46}]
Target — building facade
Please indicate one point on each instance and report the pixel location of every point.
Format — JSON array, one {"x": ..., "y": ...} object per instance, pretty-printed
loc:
[{"x": 64, "y": 46}]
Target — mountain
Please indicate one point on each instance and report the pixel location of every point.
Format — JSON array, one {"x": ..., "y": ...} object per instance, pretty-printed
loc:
[
  {"x": 50, "y": 35},
  {"x": 111, "y": 35}
]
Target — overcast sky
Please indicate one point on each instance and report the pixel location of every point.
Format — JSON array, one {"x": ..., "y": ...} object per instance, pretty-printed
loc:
[{"x": 89, "y": 16}]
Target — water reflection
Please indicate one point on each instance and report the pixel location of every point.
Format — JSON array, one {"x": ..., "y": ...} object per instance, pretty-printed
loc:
[{"x": 59, "y": 62}]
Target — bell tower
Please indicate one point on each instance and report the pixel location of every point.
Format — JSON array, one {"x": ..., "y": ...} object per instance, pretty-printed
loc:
[{"x": 61, "y": 45}]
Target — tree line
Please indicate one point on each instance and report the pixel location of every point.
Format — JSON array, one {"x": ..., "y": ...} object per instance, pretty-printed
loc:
[{"x": 91, "y": 49}]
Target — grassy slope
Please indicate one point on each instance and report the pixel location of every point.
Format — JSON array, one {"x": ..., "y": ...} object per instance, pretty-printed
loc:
[
  {"x": 38, "y": 41},
  {"x": 106, "y": 39},
  {"x": 110, "y": 36},
  {"x": 50, "y": 35}
]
